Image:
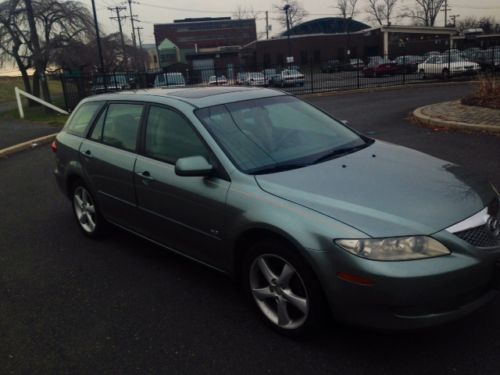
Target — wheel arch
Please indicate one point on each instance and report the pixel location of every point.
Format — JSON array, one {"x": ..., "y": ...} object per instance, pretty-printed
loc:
[{"x": 250, "y": 236}]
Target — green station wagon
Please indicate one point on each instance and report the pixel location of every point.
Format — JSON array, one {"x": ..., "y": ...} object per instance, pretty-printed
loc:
[{"x": 315, "y": 219}]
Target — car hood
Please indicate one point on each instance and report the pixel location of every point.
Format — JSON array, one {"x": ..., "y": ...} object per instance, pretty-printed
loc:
[{"x": 384, "y": 190}]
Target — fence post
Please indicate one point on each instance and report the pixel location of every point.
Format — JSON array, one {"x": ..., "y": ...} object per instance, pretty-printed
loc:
[
  {"x": 65, "y": 91},
  {"x": 311, "y": 75},
  {"x": 404, "y": 68},
  {"x": 357, "y": 74}
]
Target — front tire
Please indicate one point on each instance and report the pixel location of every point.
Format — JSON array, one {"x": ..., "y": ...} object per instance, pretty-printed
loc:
[
  {"x": 284, "y": 290},
  {"x": 86, "y": 211}
]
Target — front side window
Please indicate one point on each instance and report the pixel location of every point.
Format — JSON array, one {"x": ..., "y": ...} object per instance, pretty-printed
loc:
[
  {"x": 81, "y": 119},
  {"x": 276, "y": 133},
  {"x": 169, "y": 136},
  {"x": 119, "y": 126}
]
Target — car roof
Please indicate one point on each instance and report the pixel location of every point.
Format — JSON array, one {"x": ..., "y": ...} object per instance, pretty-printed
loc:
[{"x": 198, "y": 97}]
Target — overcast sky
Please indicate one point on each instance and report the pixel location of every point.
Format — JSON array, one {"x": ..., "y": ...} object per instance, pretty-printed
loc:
[{"x": 165, "y": 11}]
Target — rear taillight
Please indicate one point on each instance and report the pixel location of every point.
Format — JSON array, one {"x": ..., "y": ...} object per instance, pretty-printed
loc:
[{"x": 53, "y": 146}]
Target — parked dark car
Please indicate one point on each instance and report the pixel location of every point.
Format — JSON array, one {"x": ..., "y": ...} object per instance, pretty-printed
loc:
[
  {"x": 380, "y": 67},
  {"x": 331, "y": 66},
  {"x": 488, "y": 60},
  {"x": 409, "y": 63}
]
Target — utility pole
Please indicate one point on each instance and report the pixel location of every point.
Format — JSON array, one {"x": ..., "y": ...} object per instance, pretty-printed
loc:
[
  {"x": 98, "y": 39},
  {"x": 267, "y": 24},
  {"x": 134, "y": 43},
  {"x": 286, "y": 8},
  {"x": 132, "y": 21},
  {"x": 40, "y": 68},
  {"x": 445, "y": 10},
  {"x": 139, "y": 35},
  {"x": 118, "y": 9}
]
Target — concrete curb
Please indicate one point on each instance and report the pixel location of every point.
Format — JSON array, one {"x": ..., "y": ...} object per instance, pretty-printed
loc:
[
  {"x": 27, "y": 145},
  {"x": 428, "y": 120}
]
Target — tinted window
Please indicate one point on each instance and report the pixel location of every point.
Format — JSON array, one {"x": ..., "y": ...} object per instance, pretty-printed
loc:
[
  {"x": 82, "y": 118},
  {"x": 169, "y": 136},
  {"x": 121, "y": 125}
]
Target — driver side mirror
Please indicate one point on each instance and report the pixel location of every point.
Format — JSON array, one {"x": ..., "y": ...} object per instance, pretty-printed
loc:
[{"x": 193, "y": 166}]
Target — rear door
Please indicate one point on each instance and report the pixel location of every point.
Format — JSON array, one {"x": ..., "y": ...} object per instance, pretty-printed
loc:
[
  {"x": 108, "y": 157},
  {"x": 184, "y": 213}
]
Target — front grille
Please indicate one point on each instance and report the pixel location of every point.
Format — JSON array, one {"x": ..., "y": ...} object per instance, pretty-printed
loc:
[{"x": 479, "y": 236}]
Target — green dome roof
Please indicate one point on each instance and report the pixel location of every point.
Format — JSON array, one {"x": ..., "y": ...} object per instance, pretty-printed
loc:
[{"x": 328, "y": 25}]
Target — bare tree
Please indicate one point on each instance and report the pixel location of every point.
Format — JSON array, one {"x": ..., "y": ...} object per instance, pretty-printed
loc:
[
  {"x": 243, "y": 12},
  {"x": 381, "y": 10},
  {"x": 14, "y": 39},
  {"x": 57, "y": 23},
  {"x": 347, "y": 8},
  {"x": 296, "y": 12},
  {"x": 424, "y": 12}
]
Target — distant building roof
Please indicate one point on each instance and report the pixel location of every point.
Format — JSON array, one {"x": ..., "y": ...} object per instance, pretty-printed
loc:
[{"x": 328, "y": 25}]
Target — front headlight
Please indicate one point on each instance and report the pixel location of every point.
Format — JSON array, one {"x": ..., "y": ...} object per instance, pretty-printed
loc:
[{"x": 398, "y": 248}]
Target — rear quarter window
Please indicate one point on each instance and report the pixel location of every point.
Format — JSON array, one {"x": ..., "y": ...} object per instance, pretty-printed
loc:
[{"x": 81, "y": 119}]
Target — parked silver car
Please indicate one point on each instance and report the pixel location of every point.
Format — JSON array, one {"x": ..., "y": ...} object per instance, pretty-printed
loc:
[{"x": 312, "y": 217}]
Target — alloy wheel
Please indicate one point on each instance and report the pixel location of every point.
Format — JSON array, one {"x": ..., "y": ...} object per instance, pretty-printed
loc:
[
  {"x": 85, "y": 210},
  {"x": 279, "y": 291}
]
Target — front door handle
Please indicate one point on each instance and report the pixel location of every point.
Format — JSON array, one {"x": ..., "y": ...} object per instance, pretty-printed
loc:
[
  {"x": 87, "y": 154},
  {"x": 146, "y": 175}
]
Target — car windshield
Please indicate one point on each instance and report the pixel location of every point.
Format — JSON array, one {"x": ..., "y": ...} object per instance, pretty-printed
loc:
[
  {"x": 256, "y": 75},
  {"x": 291, "y": 72},
  {"x": 274, "y": 134}
]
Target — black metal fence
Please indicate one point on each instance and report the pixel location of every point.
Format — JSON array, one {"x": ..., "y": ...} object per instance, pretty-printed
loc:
[{"x": 311, "y": 77}]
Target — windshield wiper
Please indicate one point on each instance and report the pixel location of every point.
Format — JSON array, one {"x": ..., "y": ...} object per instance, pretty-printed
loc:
[
  {"x": 339, "y": 152},
  {"x": 279, "y": 168}
]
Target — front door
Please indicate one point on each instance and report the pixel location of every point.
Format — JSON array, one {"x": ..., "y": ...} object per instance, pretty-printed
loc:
[{"x": 184, "y": 213}]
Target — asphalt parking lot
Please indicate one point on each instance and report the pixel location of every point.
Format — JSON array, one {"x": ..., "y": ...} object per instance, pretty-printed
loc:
[{"x": 123, "y": 305}]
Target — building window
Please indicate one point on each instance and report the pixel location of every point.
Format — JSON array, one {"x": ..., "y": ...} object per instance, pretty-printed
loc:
[{"x": 303, "y": 57}]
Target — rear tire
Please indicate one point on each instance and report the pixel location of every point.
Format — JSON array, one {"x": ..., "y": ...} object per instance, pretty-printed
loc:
[
  {"x": 283, "y": 288},
  {"x": 421, "y": 74},
  {"x": 446, "y": 74}
]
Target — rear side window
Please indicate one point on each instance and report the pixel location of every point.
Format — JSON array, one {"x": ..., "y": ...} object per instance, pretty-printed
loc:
[
  {"x": 81, "y": 119},
  {"x": 120, "y": 127}
]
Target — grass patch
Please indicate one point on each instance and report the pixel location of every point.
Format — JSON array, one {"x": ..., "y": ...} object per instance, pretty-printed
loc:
[
  {"x": 7, "y": 85},
  {"x": 38, "y": 114}
]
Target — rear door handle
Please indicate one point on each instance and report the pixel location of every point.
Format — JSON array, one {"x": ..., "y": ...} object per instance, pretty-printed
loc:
[
  {"x": 146, "y": 175},
  {"x": 87, "y": 154}
]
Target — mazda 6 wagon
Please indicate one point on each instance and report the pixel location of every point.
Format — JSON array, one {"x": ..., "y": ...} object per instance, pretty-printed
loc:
[{"x": 315, "y": 219}]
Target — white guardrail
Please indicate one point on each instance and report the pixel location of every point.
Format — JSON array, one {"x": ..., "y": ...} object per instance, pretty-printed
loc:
[{"x": 38, "y": 100}]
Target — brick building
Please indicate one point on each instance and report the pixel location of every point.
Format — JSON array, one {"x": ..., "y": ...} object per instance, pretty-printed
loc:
[{"x": 203, "y": 43}]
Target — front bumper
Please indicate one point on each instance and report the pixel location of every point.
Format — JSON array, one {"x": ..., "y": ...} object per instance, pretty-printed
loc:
[{"x": 411, "y": 294}]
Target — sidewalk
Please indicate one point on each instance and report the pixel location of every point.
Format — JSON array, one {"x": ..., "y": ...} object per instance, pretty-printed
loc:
[
  {"x": 456, "y": 115},
  {"x": 16, "y": 134}
]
